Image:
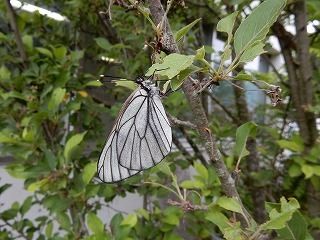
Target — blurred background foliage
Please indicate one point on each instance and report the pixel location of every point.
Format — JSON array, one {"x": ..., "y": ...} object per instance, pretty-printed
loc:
[{"x": 54, "y": 119}]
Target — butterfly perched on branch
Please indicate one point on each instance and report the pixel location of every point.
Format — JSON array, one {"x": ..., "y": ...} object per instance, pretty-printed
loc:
[{"x": 140, "y": 137}]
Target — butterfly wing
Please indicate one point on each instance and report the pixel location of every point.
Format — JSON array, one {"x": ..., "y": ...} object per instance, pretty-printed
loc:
[
  {"x": 144, "y": 132},
  {"x": 109, "y": 169}
]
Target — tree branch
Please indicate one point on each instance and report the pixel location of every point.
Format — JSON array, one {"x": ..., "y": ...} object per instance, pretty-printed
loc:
[
  {"x": 14, "y": 27},
  {"x": 201, "y": 121},
  {"x": 181, "y": 123}
]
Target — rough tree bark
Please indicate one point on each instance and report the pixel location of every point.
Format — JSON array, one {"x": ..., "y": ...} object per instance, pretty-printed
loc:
[{"x": 200, "y": 118}]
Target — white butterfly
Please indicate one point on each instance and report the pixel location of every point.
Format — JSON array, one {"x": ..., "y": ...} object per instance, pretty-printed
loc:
[{"x": 141, "y": 135}]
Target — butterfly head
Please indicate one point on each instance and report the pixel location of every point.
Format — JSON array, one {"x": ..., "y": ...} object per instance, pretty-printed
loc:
[{"x": 139, "y": 80}]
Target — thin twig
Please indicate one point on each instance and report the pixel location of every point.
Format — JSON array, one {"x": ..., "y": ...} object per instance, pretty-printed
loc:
[
  {"x": 275, "y": 70},
  {"x": 229, "y": 113},
  {"x": 183, "y": 150},
  {"x": 49, "y": 136},
  {"x": 194, "y": 147},
  {"x": 180, "y": 123}
]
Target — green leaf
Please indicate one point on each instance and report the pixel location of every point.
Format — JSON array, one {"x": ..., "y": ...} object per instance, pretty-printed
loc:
[
  {"x": 235, "y": 233},
  {"x": 4, "y": 187},
  {"x": 88, "y": 172},
  {"x": 130, "y": 220},
  {"x": 103, "y": 43},
  {"x": 17, "y": 170},
  {"x": 171, "y": 215},
  {"x": 94, "y": 223},
  {"x": 242, "y": 134},
  {"x": 50, "y": 158},
  {"x": 61, "y": 205},
  {"x": 25, "y": 207},
  {"x": 44, "y": 51},
  {"x": 56, "y": 98},
  {"x": 252, "y": 52},
  {"x": 201, "y": 170},
  {"x": 6, "y": 138},
  {"x": 279, "y": 219},
  {"x": 226, "y": 24},
  {"x": 171, "y": 219},
  {"x": 172, "y": 236},
  {"x": 200, "y": 54},
  {"x": 143, "y": 212},
  {"x": 226, "y": 55},
  {"x": 121, "y": 46},
  {"x": 72, "y": 144},
  {"x": 115, "y": 221},
  {"x": 3, "y": 37},
  {"x": 5, "y": 74},
  {"x": 36, "y": 185},
  {"x": 95, "y": 83},
  {"x": 14, "y": 94},
  {"x": 316, "y": 170},
  {"x": 188, "y": 184},
  {"x": 171, "y": 66},
  {"x": 60, "y": 53},
  {"x": 231, "y": 204},
  {"x": 296, "y": 228},
  {"x": 163, "y": 166},
  {"x": 77, "y": 55},
  {"x": 243, "y": 76},
  {"x": 183, "y": 31},
  {"x": 256, "y": 26},
  {"x": 294, "y": 170},
  {"x": 291, "y": 145},
  {"x": 219, "y": 219},
  {"x": 178, "y": 80},
  {"x": 64, "y": 221},
  {"x": 49, "y": 229},
  {"x": 127, "y": 84},
  {"x": 307, "y": 170},
  {"x": 98, "y": 236},
  {"x": 27, "y": 41}
]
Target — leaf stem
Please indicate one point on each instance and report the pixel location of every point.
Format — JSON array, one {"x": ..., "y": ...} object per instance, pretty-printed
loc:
[{"x": 160, "y": 185}]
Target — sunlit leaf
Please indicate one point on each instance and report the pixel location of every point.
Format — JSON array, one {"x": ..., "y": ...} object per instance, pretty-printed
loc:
[
  {"x": 226, "y": 24},
  {"x": 89, "y": 171},
  {"x": 183, "y": 31},
  {"x": 36, "y": 185},
  {"x": 94, "y": 223},
  {"x": 231, "y": 204},
  {"x": 171, "y": 66},
  {"x": 242, "y": 134},
  {"x": 130, "y": 220},
  {"x": 72, "y": 144},
  {"x": 256, "y": 26}
]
